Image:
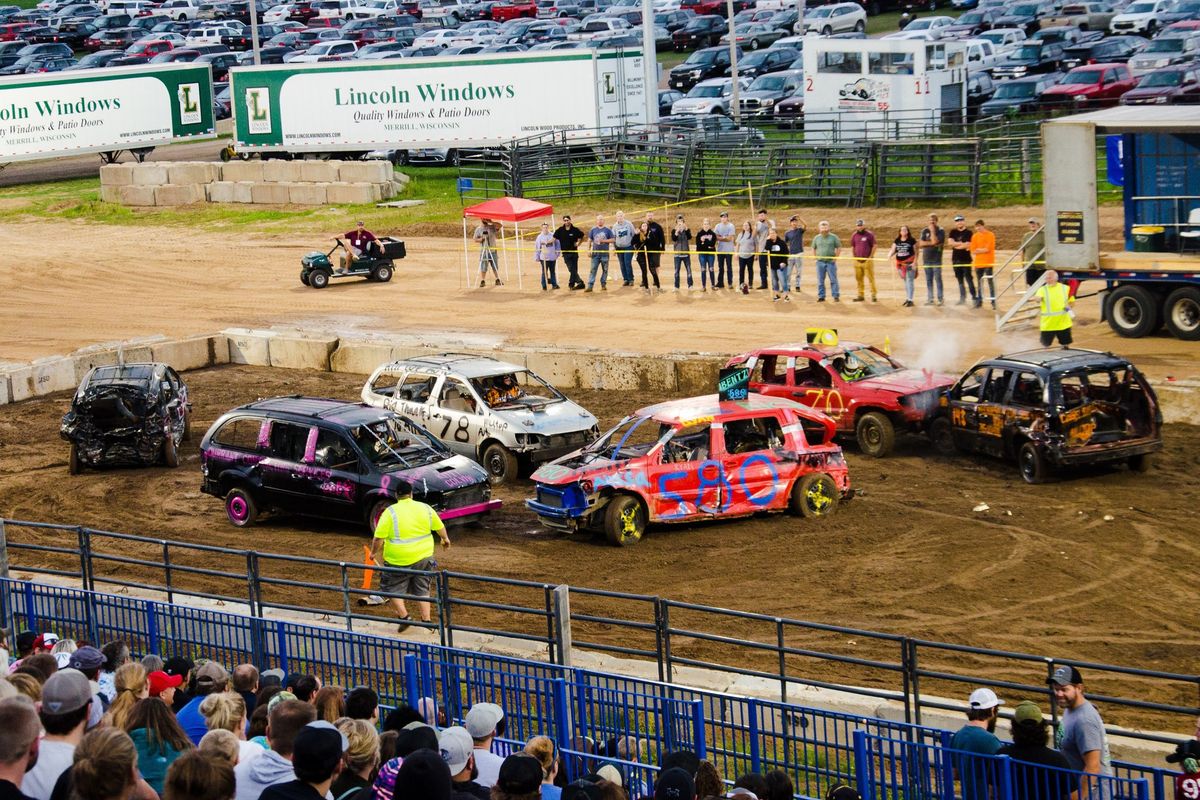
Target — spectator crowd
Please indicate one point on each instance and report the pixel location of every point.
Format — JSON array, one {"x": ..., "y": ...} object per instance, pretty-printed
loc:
[
  {"x": 769, "y": 257},
  {"x": 81, "y": 723}
]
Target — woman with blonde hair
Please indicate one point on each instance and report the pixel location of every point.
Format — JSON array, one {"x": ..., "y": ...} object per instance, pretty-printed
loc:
[
  {"x": 542, "y": 748},
  {"x": 132, "y": 686},
  {"x": 26, "y": 685},
  {"x": 331, "y": 704},
  {"x": 362, "y": 757},
  {"x": 159, "y": 739},
  {"x": 227, "y": 711},
  {"x": 105, "y": 766},
  {"x": 220, "y": 744},
  {"x": 197, "y": 777}
]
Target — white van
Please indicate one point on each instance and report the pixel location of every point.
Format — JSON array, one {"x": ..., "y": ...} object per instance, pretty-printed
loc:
[{"x": 134, "y": 8}]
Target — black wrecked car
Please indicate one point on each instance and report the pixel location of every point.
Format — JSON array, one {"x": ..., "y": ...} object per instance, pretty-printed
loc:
[
  {"x": 1051, "y": 409},
  {"x": 335, "y": 460},
  {"x": 127, "y": 415}
]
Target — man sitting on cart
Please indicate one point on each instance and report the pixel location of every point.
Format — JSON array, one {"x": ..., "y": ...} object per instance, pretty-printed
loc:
[{"x": 359, "y": 244}]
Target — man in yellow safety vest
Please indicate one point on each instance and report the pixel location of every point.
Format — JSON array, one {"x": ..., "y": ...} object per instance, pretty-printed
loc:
[
  {"x": 1057, "y": 314},
  {"x": 404, "y": 537}
]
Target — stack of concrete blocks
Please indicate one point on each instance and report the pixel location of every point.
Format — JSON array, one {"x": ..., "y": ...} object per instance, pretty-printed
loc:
[{"x": 273, "y": 182}]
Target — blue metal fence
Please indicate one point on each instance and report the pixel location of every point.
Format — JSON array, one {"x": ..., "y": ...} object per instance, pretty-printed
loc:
[{"x": 593, "y": 716}]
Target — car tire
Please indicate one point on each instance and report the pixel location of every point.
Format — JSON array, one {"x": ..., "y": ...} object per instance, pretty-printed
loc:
[
  {"x": 624, "y": 520},
  {"x": 1141, "y": 463},
  {"x": 754, "y": 44},
  {"x": 876, "y": 434},
  {"x": 941, "y": 433},
  {"x": 170, "y": 452},
  {"x": 240, "y": 507},
  {"x": 826, "y": 31},
  {"x": 187, "y": 426},
  {"x": 383, "y": 274},
  {"x": 1182, "y": 313},
  {"x": 1032, "y": 464},
  {"x": 74, "y": 465},
  {"x": 814, "y": 496},
  {"x": 500, "y": 463},
  {"x": 376, "y": 512},
  {"x": 1132, "y": 311},
  {"x": 318, "y": 279},
  {"x": 304, "y": 277},
  {"x": 860, "y": 27}
]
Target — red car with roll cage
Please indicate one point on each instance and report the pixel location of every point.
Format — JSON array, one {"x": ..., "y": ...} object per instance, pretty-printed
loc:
[
  {"x": 694, "y": 459},
  {"x": 868, "y": 393}
]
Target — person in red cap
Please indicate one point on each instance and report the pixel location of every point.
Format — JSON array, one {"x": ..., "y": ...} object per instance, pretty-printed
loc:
[{"x": 163, "y": 686}]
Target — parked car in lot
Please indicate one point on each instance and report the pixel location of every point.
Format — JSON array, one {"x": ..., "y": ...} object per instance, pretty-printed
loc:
[
  {"x": 972, "y": 23},
  {"x": 980, "y": 89},
  {"x": 1005, "y": 40},
  {"x": 870, "y": 396},
  {"x": 500, "y": 414},
  {"x": 127, "y": 415},
  {"x": 339, "y": 50},
  {"x": 666, "y": 99},
  {"x": 695, "y": 459},
  {"x": 334, "y": 460},
  {"x": 789, "y": 112},
  {"x": 1090, "y": 15},
  {"x": 96, "y": 60},
  {"x": 1172, "y": 85},
  {"x": 1052, "y": 409},
  {"x": 1019, "y": 96},
  {"x": 762, "y": 62},
  {"x": 514, "y": 9},
  {"x": 1180, "y": 11},
  {"x": 32, "y": 65},
  {"x": 1140, "y": 16},
  {"x": 1165, "y": 51},
  {"x": 711, "y": 62},
  {"x": 1030, "y": 58},
  {"x": 703, "y": 31},
  {"x": 1091, "y": 86},
  {"x": 755, "y": 35},
  {"x": 834, "y": 18},
  {"x": 1066, "y": 35},
  {"x": 930, "y": 28},
  {"x": 712, "y": 96},
  {"x": 1110, "y": 49},
  {"x": 760, "y": 98}
]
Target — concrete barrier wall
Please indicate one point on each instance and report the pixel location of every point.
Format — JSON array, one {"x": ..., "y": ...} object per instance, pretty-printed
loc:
[{"x": 272, "y": 182}]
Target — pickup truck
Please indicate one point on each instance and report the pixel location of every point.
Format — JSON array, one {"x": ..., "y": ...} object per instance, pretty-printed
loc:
[
  {"x": 600, "y": 29},
  {"x": 514, "y": 9},
  {"x": 1093, "y": 15},
  {"x": 1090, "y": 86},
  {"x": 449, "y": 13}
]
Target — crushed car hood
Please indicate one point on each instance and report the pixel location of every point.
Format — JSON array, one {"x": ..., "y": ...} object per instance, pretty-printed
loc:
[
  {"x": 906, "y": 381},
  {"x": 550, "y": 418}
]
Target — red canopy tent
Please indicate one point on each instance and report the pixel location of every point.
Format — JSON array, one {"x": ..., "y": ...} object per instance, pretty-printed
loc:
[{"x": 503, "y": 209}]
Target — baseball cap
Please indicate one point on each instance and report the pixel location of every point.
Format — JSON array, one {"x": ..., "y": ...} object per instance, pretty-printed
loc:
[
  {"x": 416, "y": 736},
  {"x": 984, "y": 698},
  {"x": 319, "y": 747},
  {"x": 520, "y": 773},
  {"x": 842, "y": 792},
  {"x": 582, "y": 790},
  {"x": 278, "y": 698},
  {"x": 455, "y": 745},
  {"x": 85, "y": 658},
  {"x": 610, "y": 773},
  {"x": 674, "y": 784},
  {"x": 1188, "y": 749},
  {"x": 1032, "y": 221},
  {"x": 46, "y": 640},
  {"x": 724, "y": 213},
  {"x": 859, "y": 222},
  {"x": 1065, "y": 675},
  {"x": 1028, "y": 711},
  {"x": 742, "y": 791},
  {"x": 271, "y": 677},
  {"x": 482, "y": 719},
  {"x": 959, "y": 218},
  {"x": 161, "y": 681},
  {"x": 211, "y": 672},
  {"x": 177, "y": 666},
  {"x": 65, "y": 691},
  {"x": 793, "y": 218},
  {"x": 425, "y": 775}
]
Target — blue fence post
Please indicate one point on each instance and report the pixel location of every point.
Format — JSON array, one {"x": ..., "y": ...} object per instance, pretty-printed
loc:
[
  {"x": 31, "y": 617},
  {"x": 752, "y": 733},
  {"x": 946, "y": 777},
  {"x": 699, "y": 742},
  {"x": 562, "y": 716},
  {"x": 862, "y": 767},
  {"x": 1005, "y": 784},
  {"x": 281, "y": 639},
  {"x": 151, "y": 610},
  {"x": 412, "y": 687}
]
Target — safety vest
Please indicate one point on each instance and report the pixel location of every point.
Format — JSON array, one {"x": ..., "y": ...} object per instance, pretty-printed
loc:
[
  {"x": 407, "y": 530},
  {"x": 1056, "y": 305}
]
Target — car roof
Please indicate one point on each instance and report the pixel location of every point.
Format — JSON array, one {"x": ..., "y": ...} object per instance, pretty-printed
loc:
[
  {"x": 317, "y": 408},
  {"x": 696, "y": 408},
  {"x": 466, "y": 364},
  {"x": 1058, "y": 360},
  {"x": 124, "y": 373},
  {"x": 826, "y": 350}
]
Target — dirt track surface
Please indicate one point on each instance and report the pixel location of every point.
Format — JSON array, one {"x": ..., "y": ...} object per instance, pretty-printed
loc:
[{"x": 1041, "y": 571}]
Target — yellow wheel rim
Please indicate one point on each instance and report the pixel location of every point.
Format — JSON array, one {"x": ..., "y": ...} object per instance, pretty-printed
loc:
[
  {"x": 629, "y": 521},
  {"x": 818, "y": 500}
]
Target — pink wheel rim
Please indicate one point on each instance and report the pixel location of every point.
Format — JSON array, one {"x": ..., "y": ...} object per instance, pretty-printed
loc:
[{"x": 239, "y": 510}]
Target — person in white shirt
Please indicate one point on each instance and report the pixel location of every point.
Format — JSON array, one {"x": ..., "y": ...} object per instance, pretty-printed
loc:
[{"x": 485, "y": 721}]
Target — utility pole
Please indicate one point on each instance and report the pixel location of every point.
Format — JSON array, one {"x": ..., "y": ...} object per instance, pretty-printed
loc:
[
  {"x": 254, "y": 44},
  {"x": 735, "y": 100},
  {"x": 650, "y": 62}
]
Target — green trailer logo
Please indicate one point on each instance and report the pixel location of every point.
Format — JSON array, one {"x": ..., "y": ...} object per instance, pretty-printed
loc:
[
  {"x": 258, "y": 109},
  {"x": 189, "y": 103}
]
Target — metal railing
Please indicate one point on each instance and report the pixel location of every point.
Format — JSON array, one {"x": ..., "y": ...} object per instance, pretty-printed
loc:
[
  {"x": 594, "y": 716},
  {"x": 790, "y": 653}
]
